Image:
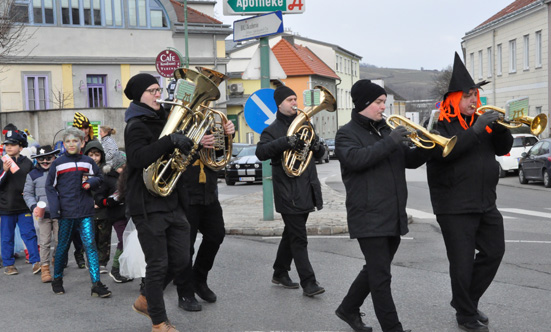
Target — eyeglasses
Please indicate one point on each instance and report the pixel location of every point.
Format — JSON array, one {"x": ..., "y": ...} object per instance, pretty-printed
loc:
[
  {"x": 154, "y": 91},
  {"x": 48, "y": 158}
]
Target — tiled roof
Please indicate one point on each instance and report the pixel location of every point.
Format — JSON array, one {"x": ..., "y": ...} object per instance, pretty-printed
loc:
[
  {"x": 297, "y": 60},
  {"x": 193, "y": 16},
  {"x": 516, "y": 5}
]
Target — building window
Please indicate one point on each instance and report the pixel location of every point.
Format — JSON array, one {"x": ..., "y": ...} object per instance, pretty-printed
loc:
[
  {"x": 480, "y": 65},
  {"x": 490, "y": 61},
  {"x": 513, "y": 56},
  {"x": 95, "y": 85},
  {"x": 36, "y": 93},
  {"x": 538, "y": 49},
  {"x": 146, "y": 13},
  {"x": 526, "y": 52},
  {"x": 471, "y": 60},
  {"x": 92, "y": 12},
  {"x": 113, "y": 13},
  {"x": 499, "y": 59},
  {"x": 38, "y": 12}
]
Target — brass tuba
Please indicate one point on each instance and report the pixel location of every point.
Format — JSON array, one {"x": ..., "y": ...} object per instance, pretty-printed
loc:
[
  {"x": 537, "y": 124},
  {"x": 295, "y": 161},
  {"x": 217, "y": 157},
  {"x": 430, "y": 142},
  {"x": 192, "y": 89}
]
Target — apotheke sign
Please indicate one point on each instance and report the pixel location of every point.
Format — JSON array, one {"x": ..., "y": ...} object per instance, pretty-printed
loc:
[{"x": 252, "y": 7}]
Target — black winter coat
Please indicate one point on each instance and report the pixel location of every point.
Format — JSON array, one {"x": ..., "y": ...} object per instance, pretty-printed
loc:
[
  {"x": 11, "y": 187},
  {"x": 296, "y": 195},
  {"x": 465, "y": 181},
  {"x": 373, "y": 168},
  {"x": 107, "y": 198},
  {"x": 200, "y": 193}
]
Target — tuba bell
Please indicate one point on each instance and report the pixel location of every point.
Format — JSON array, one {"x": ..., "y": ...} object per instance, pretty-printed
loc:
[
  {"x": 296, "y": 161},
  {"x": 430, "y": 142},
  {"x": 537, "y": 124},
  {"x": 192, "y": 89}
]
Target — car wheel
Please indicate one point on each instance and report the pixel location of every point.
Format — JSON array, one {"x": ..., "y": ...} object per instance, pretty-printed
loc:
[
  {"x": 230, "y": 183},
  {"x": 521, "y": 177},
  {"x": 502, "y": 173},
  {"x": 546, "y": 179}
]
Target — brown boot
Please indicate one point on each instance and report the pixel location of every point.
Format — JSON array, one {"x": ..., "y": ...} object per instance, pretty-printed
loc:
[
  {"x": 46, "y": 276},
  {"x": 164, "y": 327},
  {"x": 140, "y": 306}
]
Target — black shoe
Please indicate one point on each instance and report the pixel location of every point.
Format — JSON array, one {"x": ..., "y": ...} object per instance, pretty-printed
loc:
[
  {"x": 475, "y": 326},
  {"x": 204, "y": 292},
  {"x": 100, "y": 290},
  {"x": 117, "y": 276},
  {"x": 189, "y": 303},
  {"x": 57, "y": 286},
  {"x": 354, "y": 320},
  {"x": 284, "y": 281},
  {"x": 79, "y": 258},
  {"x": 482, "y": 318},
  {"x": 312, "y": 289}
]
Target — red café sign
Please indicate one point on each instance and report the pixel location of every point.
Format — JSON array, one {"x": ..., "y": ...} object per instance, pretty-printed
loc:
[{"x": 167, "y": 62}]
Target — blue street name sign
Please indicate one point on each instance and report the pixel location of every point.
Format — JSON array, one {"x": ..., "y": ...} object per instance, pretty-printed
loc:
[{"x": 260, "y": 110}]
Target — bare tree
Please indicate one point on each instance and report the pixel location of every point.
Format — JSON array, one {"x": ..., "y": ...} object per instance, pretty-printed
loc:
[
  {"x": 13, "y": 33},
  {"x": 441, "y": 83},
  {"x": 60, "y": 98}
]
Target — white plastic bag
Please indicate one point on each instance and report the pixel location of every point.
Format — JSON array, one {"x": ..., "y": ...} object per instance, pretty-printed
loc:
[{"x": 132, "y": 259}]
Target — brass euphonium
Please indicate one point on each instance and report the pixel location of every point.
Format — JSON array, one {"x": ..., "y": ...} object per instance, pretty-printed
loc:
[
  {"x": 537, "y": 124},
  {"x": 192, "y": 89},
  {"x": 431, "y": 140},
  {"x": 296, "y": 161},
  {"x": 217, "y": 157}
]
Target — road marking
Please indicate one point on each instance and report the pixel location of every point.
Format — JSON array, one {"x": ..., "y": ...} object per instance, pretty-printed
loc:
[
  {"x": 420, "y": 214},
  {"x": 326, "y": 237},
  {"x": 527, "y": 241},
  {"x": 527, "y": 212}
]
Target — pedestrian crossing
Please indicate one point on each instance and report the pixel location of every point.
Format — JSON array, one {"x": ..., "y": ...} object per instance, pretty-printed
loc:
[{"x": 508, "y": 213}]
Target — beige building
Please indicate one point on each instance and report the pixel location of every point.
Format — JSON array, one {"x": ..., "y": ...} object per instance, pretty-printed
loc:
[
  {"x": 81, "y": 54},
  {"x": 511, "y": 50}
]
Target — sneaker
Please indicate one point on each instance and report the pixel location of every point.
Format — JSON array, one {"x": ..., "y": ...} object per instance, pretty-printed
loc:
[
  {"x": 312, "y": 289},
  {"x": 11, "y": 270},
  {"x": 164, "y": 327},
  {"x": 204, "y": 292},
  {"x": 57, "y": 286},
  {"x": 140, "y": 306},
  {"x": 117, "y": 276},
  {"x": 189, "y": 303},
  {"x": 100, "y": 290},
  {"x": 36, "y": 267},
  {"x": 103, "y": 269}
]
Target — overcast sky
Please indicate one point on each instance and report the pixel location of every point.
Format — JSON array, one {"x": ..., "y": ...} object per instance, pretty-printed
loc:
[{"x": 392, "y": 33}]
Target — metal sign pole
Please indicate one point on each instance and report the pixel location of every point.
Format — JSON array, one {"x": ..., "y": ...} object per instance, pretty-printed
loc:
[{"x": 267, "y": 186}]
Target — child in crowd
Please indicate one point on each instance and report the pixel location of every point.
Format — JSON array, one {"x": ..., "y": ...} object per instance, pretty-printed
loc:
[
  {"x": 109, "y": 145},
  {"x": 70, "y": 180},
  {"x": 108, "y": 196},
  {"x": 34, "y": 192},
  {"x": 13, "y": 210},
  {"x": 102, "y": 227}
]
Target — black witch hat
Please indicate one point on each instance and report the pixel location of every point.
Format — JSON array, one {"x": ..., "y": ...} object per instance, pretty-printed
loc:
[{"x": 461, "y": 79}]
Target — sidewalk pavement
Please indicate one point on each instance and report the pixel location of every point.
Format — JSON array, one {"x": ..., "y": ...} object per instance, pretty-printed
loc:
[{"x": 243, "y": 215}]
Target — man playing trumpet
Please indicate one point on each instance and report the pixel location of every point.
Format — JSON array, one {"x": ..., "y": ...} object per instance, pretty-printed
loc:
[{"x": 463, "y": 194}]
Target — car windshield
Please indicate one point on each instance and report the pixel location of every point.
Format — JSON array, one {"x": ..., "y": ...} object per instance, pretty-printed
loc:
[
  {"x": 236, "y": 149},
  {"x": 247, "y": 151},
  {"x": 521, "y": 141},
  {"x": 330, "y": 141}
]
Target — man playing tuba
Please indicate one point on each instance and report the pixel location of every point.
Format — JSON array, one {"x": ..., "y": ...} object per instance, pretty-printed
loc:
[{"x": 295, "y": 197}]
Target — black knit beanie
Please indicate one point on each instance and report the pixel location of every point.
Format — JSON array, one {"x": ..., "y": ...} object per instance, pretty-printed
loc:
[
  {"x": 364, "y": 92},
  {"x": 281, "y": 93},
  {"x": 137, "y": 85}
]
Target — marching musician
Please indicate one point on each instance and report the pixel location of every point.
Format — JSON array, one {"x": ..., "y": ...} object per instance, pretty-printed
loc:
[
  {"x": 204, "y": 214},
  {"x": 163, "y": 229},
  {"x": 373, "y": 160},
  {"x": 295, "y": 197},
  {"x": 463, "y": 194}
]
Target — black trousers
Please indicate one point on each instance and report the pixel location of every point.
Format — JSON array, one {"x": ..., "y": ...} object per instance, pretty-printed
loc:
[
  {"x": 208, "y": 220},
  {"x": 294, "y": 245},
  {"x": 375, "y": 278},
  {"x": 164, "y": 237},
  {"x": 472, "y": 274}
]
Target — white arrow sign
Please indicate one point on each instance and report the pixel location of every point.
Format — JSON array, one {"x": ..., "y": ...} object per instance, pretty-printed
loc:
[
  {"x": 259, "y": 26},
  {"x": 265, "y": 109}
]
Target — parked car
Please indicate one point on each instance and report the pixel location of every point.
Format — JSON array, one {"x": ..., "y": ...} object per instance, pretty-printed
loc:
[
  {"x": 244, "y": 168},
  {"x": 325, "y": 156},
  {"x": 331, "y": 145},
  {"x": 236, "y": 148},
  {"x": 536, "y": 164},
  {"x": 509, "y": 162}
]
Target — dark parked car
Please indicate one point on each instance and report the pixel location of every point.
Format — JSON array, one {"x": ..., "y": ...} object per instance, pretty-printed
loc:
[
  {"x": 331, "y": 145},
  {"x": 536, "y": 164},
  {"x": 236, "y": 148},
  {"x": 245, "y": 167},
  {"x": 325, "y": 156}
]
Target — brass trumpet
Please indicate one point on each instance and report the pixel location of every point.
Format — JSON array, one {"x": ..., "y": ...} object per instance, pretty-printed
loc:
[
  {"x": 447, "y": 144},
  {"x": 537, "y": 124}
]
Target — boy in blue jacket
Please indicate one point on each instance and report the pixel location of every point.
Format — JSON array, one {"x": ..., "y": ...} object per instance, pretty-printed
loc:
[{"x": 68, "y": 188}]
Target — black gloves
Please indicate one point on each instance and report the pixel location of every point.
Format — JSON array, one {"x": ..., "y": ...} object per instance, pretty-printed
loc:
[
  {"x": 181, "y": 142},
  {"x": 294, "y": 142},
  {"x": 399, "y": 134},
  {"x": 316, "y": 144},
  {"x": 485, "y": 119}
]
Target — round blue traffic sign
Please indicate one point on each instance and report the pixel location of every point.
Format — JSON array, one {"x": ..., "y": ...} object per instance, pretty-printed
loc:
[{"x": 260, "y": 110}]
